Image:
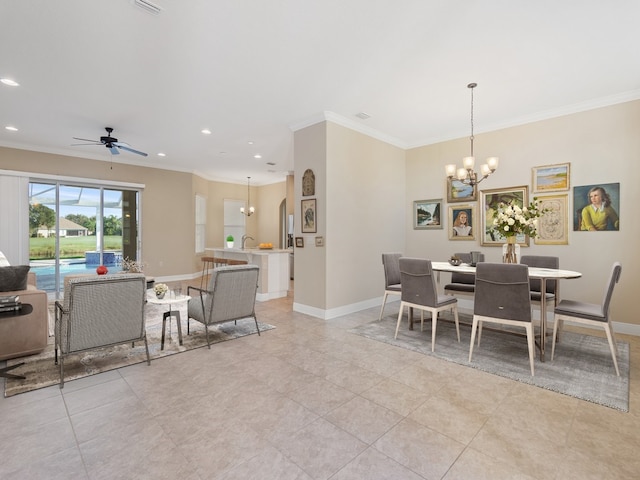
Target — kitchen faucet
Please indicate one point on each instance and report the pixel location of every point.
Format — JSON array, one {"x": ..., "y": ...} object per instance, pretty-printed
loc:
[{"x": 244, "y": 239}]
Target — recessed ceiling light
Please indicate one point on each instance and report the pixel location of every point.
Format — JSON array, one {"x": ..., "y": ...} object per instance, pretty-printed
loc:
[
  {"x": 257, "y": 155},
  {"x": 206, "y": 131},
  {"x": 161, "y": 154},
  {"x": 8, "y": 81},
  {"x": 11, "y": 129},
  {"x": 250, "y": 142}
]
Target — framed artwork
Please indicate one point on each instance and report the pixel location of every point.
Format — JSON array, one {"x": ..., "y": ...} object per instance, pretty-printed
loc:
[
  {"x": 461, "y": 222},
  {"x": 427, "y": 214},
  {"x": 309, "y": 216},
  {"x": 596, "y": 207},
  {"x": 489, "y": 201},
  {"x": 308, "y": 183},
  {"x": 553, "y": 226},
  {"x": 551, "y": 178},
  {"x": 319, "y": 241},
  {"x": 460, "y": 192},
  {"x": 299, "y": 242}
]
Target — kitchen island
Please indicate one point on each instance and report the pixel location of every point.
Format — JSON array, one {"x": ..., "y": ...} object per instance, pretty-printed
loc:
[{"x": 273, "y": 280}]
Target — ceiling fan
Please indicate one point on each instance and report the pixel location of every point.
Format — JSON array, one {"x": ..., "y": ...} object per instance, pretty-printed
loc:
[{"x": 110, "y": 142}]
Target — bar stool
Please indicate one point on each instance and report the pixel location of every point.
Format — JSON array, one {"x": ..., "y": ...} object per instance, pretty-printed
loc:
[
  {"x": 237, "y": 262},
  {"x": 207, "y": 262}
]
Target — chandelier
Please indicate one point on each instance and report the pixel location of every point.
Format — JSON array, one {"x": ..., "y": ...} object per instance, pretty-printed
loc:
[
  {"x": 466, "y": 174},
  {"x": 251, "y": 210}
]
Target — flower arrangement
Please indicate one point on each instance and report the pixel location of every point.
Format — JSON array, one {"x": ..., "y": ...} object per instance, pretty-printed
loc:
[
  {"x": 131, "y": 266},
  {"x": 511, "y": 220},
  {"x": 160, "y": 289}
]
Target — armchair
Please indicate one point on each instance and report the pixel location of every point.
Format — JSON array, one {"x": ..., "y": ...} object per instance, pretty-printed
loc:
[
  {"x": 100, "y": 311},
  {"x": 230, "y": 296}
]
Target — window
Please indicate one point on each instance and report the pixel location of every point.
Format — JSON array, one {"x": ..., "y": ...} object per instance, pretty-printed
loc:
[{"x": 201, "y": 223}]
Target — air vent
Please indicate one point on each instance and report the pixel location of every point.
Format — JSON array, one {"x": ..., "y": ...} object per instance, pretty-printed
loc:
[
  {"x": 148, "y": 6},
  {"x": 363, "y": 115},
  {"x": 271, "y": 163}
]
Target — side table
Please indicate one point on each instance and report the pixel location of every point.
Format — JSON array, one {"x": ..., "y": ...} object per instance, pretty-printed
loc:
[
  {"x": 26, "y": 309},
  {"x": 171, "y": 301}
]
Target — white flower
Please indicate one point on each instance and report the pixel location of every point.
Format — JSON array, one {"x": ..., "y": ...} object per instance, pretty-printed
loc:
[{"x": 160, "y": 288}]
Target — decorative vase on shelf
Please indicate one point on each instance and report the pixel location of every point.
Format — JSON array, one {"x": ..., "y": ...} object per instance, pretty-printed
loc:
[
  {"x": 160, "y": 296},
  {"x": 510, "y": 251}
]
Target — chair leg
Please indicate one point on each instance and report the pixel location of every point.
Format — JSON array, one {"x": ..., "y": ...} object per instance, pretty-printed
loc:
[
  {"x": 384, "y": 301},
  {"x": 61, "y": 371},
  {"x": 399, "y": 319},
  {"x": 556, "y": 322},
  {"x": 455, "y": 316},
  {"x": 257, "y": 327},
  {"x": 479, "y": 331},
  {"x": 146, "y": 347},
  {"x": 529, "y": 328},
  {"x": 206, "y": 331},
  {"x": 612, "y": 346},
  {"x": 434, "y": 322},
  {"x": 474, "y": 327}
]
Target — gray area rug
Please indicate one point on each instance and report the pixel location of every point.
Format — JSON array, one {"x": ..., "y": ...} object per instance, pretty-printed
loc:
[
  {"x": 582, "y": 366},
  {"x": 40, "y": 370}
]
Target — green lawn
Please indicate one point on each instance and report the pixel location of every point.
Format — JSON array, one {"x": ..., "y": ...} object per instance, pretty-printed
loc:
[{"x": 70, "y": 247}]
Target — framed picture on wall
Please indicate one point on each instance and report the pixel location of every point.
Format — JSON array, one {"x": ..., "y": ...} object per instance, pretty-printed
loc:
[
  {"x": 489, "y": 201},
  {"x": 553, "y": 224},
  {"x": 596, "y": 207},
  {"x": 462, "y": 220},
  {"x": 309, "y": 216},
  {"x": 551, "y": 178},
  {"x": 299, "y": 242},
  {"x": 427, "y": 214},
  {"x": 460, "y": 192}
]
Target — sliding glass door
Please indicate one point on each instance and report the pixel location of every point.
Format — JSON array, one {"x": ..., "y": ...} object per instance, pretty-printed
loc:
[{"x": 75, "y": 228}]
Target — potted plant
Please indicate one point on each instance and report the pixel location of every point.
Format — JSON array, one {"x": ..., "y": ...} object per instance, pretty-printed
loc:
[{"x": 229, "y": 241}]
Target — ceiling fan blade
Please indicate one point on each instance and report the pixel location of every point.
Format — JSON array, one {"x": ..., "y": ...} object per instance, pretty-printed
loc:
[
  {"x": 90, "y": 144},
  {"x": 114, "y": 151},
  {"x": 87, "y": 140},
  {"x": 129, "y": 149}
]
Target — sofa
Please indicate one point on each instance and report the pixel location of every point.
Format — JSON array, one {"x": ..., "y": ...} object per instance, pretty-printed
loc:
[{"x": 22, "y": 335}]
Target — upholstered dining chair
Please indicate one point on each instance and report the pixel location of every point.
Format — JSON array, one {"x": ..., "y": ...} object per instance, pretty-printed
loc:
[
  {"x": 391, "y": 277},
  {"x": 503, "y": 297},
  {"x": 463, "y": 282},
  {"x": 419, "y": 291},
  {"x": 590, "y": 314},
  {"x": 551, "y": 286}
]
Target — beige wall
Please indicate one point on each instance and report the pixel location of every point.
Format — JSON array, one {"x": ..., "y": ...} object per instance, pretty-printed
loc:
[
  {"x": 168, "y": 205},
  {"x": 360, "y": 207},
  {"x": 602, "y": 145}
]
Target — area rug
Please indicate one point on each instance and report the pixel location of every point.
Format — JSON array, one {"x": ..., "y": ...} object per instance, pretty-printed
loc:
[
  {"x": 40, "y": 370},
  {"x": 582, "y": 366}
]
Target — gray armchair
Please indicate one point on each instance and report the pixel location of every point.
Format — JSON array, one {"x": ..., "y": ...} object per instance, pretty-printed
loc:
[
  {"x": 592, "y": 315},
  {"x": 100, "y": 311},
  {"x": 230, "y": 296},
  {"x": 503, "y": 297}
]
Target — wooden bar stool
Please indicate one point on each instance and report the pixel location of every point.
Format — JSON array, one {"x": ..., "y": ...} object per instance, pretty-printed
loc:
[
  {"x": 207, "y": 262},
  {"x": 237, "y": 262},
  {"x": 219, "y": 262}
]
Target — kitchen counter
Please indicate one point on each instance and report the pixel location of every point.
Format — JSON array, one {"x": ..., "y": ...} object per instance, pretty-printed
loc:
[{"x": 273, "y": 281}]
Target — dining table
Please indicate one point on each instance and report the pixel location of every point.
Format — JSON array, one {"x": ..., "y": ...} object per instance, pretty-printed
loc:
[{"x": 542, "y": 274}]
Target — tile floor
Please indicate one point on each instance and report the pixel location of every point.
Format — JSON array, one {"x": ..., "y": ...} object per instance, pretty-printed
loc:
[{"x": 309, "y": 400}]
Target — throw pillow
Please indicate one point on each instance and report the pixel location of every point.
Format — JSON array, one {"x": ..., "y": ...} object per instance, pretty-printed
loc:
[{"x": 13, "y": 278}]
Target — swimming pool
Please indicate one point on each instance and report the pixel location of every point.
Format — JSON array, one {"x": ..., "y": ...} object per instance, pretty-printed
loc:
[{"x": 45, "y": 271}]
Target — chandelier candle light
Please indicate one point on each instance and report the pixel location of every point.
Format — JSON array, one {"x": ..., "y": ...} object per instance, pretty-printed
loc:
[
  {"x": 466, "y": 174},
  {"x": 251, "y": 210}
]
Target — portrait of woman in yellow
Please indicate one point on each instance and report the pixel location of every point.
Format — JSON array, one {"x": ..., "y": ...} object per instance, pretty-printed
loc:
[{"x": 599, "y": 214}]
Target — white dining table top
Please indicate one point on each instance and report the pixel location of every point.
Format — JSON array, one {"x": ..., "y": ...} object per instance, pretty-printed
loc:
[{"x": 534, "y": 272}]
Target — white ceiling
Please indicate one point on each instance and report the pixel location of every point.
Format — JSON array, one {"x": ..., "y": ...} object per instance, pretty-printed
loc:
[{"x": 255, "y": 70}]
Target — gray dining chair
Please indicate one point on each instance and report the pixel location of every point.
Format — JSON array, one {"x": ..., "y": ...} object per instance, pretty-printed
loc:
[
  {"x": 590, "y": 314},
  {"x": 419, "y": 291},
  {"x": 464, "y": 283},
  {"x": 391, "y": 277},
  {"x": 503, "y": 297},
  {"x": 551, "y": 286}
]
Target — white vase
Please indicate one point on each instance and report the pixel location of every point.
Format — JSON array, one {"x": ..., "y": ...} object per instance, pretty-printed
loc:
[{"x": 229, "y": 244}]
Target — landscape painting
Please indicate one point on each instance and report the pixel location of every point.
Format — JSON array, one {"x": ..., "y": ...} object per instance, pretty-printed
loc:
[
  {"x": 551, "y": 178},
  {"x": 427, "y": 214}
]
